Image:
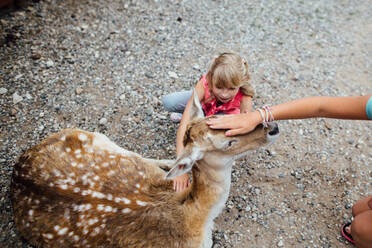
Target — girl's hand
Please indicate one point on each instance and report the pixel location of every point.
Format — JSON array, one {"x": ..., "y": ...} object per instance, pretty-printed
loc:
[
  {"x": 237, "y": 124},
  {"x": 181, "y": 182}
]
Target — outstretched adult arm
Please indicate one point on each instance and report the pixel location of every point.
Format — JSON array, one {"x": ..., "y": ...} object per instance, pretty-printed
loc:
[{"x": 353, "y": 108}]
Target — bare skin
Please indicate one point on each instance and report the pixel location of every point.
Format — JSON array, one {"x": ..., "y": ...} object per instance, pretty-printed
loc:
[
  {"x": 352, "y": 108},
  {"x": 224, "y": 95}
]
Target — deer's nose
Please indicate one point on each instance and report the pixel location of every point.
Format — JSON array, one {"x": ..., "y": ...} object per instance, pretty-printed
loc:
[{"x": 274, "y": 128}]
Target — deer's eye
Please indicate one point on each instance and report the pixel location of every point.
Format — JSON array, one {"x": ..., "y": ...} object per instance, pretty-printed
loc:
[{"x": 231, "y": 143}]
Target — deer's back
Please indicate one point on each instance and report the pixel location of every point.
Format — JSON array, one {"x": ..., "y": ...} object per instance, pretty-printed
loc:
[{"x": 69, "y": 192}]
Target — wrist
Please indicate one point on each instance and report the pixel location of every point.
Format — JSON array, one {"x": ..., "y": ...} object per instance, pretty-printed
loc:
[
  {"x": 266, "y": 115},
  {"x": 257, "y": 117}
]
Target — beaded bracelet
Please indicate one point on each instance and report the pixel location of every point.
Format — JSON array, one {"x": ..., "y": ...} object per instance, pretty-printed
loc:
[{"x": 267, "y": 115}]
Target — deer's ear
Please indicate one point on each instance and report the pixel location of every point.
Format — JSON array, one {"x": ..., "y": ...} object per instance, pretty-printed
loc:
[
  {"x": 185, "y": 162},
  {"x": 196, "y": 110}
]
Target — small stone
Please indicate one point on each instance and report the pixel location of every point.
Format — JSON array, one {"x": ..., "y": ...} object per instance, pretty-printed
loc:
[
  {"x": 50, "y": 63},
  {"x": 173, "y": 74},
  {"x": 35, "y": 56},
  {"x": 78, "y": 91},
  {"x": 13, "y": 112},
  {"x": 122, "y": 97},
  {"x": 328, "y": 126},
  {"x": 196, "y": 67},
  {"x": 28, "y": 96},
  {"x": 148, "y": 75},
  {"x": 103, "y": 121},
  {"x": 280, "y": 243},
  {"x": 3, "y": 91},
  {"x": 17, "y": 98}
]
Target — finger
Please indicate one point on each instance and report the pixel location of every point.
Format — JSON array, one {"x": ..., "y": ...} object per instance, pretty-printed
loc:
[
  {"x": 233, "y": 132},
  {"x": 182, "y": 186}
]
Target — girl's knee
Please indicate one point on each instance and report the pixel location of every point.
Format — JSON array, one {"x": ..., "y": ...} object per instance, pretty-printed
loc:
[
  {"x": 361, "y": 227},
  {"x": 168, "y": 103},
  {"x": 361, "y": 206}
]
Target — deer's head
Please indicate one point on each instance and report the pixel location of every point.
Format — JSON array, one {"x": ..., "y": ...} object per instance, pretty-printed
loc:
[{"x": 219, "y": 150}]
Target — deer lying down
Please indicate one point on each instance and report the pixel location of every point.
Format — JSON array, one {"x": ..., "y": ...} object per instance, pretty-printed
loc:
[{"x": 79, "y": 189}]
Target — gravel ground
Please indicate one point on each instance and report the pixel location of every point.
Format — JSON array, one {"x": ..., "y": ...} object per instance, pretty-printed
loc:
[{"x": 104, "y": 66}]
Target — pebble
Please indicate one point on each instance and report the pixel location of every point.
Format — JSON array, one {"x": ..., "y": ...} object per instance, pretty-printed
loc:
[
  {"x": 79, "y": 91},
  {"x": 103, "y": 121},
  {"x": 17, "y": 98},
  {"x": 3, "y": 91},
  {"x": 173, "y": 75},
  {"x": 49, "y": 63}
]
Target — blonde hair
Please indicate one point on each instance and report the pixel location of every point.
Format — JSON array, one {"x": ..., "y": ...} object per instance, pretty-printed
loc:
[{"x": 230, "y": 70}]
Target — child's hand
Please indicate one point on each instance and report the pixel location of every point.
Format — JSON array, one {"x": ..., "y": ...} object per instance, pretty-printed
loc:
[{"x": 181, "y": 182}]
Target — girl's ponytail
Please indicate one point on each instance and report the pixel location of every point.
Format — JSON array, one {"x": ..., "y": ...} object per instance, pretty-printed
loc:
[{"x": 246, "y": 87}]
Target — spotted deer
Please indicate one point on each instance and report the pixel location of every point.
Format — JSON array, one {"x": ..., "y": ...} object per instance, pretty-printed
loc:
[{"x": 79, "y": 189}]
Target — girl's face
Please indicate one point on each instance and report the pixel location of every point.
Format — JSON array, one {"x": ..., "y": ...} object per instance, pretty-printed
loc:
[{"x": 224, "y": 94}]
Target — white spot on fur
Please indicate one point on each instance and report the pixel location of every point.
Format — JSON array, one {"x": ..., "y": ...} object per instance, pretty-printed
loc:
[
  {"x": 76, "y": 190},
  {"x": 126, "y": 210},
  {"x": 105, "y": 164},
  {"x": 141, "y": 173},
  {"x": 108, "y": 209},
  {"x": 63, "y": 186},
  {"x": 96, "y": 178},
  {"x": 48, "y": 235},
  {"x": 77, "y": 151},
  {"x": 76, "y": 238},
  {"x": 82, "y": 137},
  {"x": 57, "y": 173},
  {"x": 78, "y": 155},
  {"x": 56, "y": 228},
  {"x": 138, "y": 185},
  {"x": 98, "y": 195},
  {"x": 100, "y": 207},
  {"x": 92, "y": 221},
  {"x": 73, "y": 164},
  {"x": 141, "y": 203},
  {"x": 63, "y": 138},
  {"x": 31, "y": 212},
  {"x": 68, "y": 149},
  {"x": 63, "y": 231},
  {"x": 109, "y": 197}
]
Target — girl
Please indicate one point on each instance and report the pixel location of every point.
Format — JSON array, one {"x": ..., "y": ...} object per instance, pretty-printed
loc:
[{"x": 224, "y": 89}]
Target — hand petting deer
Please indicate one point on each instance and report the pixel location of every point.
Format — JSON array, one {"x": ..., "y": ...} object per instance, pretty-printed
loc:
[{"x": 79, "y": 189}]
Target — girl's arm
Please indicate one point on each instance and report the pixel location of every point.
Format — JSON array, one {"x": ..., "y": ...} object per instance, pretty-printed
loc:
[
  {"x": 246, "y": 104},
  {"x": 311, "y": 107},
  {"x": 181, "y": 182}
]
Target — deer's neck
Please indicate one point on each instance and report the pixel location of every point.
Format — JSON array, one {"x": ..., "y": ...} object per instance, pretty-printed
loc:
[{"x": 209, "y": 191}]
